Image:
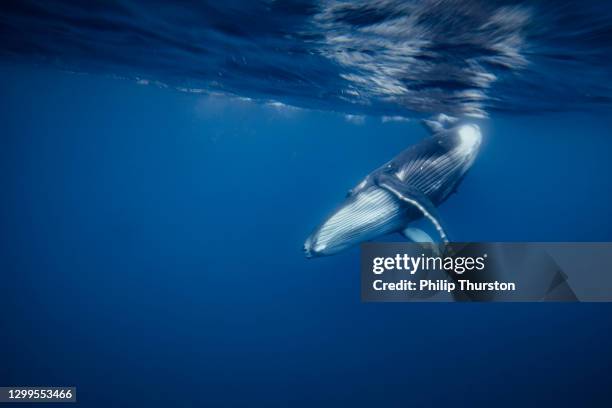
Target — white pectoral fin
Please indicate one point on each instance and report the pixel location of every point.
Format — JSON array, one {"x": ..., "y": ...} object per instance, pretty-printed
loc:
[
  {"x": 419, "y": 236},
  {"x": 413, "y": 196}
]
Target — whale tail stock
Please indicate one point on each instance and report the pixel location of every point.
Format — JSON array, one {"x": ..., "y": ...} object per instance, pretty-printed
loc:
[{"x": 439, "y": 123}]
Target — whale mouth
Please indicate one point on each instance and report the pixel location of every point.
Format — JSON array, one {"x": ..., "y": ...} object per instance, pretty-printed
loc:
[
  {"x": 307, "y": 251},
  {"x": 361, "y": 217},
  {"x": 313, "y": 248},
  {"x": 308, "y": 248}
]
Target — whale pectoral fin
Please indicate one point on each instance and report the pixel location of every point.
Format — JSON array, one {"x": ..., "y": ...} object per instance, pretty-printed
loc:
[
  {"x": 417, "y": 235},
  {"x": 415, "y": 197},
  {"x": 421, "y": 237}
]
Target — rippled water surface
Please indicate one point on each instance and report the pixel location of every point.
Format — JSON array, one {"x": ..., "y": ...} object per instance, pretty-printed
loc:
[{"x": 383, "y": 57}]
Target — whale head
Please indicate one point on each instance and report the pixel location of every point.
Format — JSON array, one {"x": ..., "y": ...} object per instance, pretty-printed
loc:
[{"x": 365, "y": 214}]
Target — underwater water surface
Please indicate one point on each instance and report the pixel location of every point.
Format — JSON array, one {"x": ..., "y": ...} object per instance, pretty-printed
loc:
[{"x": 153, "y": 210}]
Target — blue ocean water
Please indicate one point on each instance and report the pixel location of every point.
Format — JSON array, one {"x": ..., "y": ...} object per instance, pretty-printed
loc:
[{"x": 151, "y": 236}]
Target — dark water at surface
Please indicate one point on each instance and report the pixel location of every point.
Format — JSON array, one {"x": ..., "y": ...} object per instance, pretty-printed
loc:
[{"x": 384, "y": 58}]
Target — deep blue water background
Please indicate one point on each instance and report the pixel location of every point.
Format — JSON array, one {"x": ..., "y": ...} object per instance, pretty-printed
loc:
[{"x": 150, "y": 254}]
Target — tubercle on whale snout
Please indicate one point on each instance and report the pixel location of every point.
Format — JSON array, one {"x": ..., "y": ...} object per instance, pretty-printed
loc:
[{"x": 307, "y": 251}]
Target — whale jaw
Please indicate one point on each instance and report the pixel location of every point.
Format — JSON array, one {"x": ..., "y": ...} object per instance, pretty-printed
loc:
[{"x": 365, "y": 215}]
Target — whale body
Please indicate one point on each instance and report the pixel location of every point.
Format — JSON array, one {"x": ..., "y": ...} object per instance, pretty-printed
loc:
[{"x": 403, "y": 190}]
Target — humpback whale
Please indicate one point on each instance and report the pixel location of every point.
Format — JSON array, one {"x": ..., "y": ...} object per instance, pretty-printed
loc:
[{"x": 408, "y": 188}]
